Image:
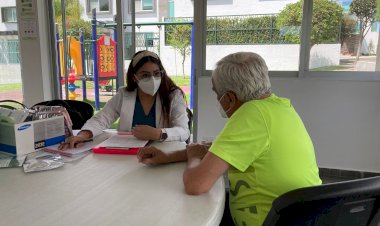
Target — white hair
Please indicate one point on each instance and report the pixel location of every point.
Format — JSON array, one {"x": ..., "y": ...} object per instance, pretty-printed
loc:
[{"x": 244, "y": 73}]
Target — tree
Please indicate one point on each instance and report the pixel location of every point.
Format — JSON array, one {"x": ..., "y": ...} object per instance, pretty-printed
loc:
[
  {"x": 347, "y": 28},
  {"x": 73, "y": 11},
  {"x": 179, "y": 38},
  {"x": 365, "y": 11},
  {"x": 326, "y": 21}
]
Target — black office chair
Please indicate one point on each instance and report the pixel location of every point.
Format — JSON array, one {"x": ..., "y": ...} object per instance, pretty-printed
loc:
[
  {"x": 348, "y": 203},
  {"x": 12, "y": 104},
  {"x": 79, "y": 111}
]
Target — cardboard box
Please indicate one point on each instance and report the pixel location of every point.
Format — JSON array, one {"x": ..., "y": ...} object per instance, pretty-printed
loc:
[{"x": 27, "y": 137}]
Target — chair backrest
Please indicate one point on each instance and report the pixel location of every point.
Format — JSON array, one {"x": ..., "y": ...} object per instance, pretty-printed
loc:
[
  {"x": 348, "y": 203},
  {"x": 12, "y": 104},
  {"x": 79, "y": 111},
  {"x": 190, "y": 123}
]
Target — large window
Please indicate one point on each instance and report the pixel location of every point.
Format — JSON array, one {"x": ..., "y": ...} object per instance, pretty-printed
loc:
[
  {"x": 344, "y": 36},
  {"x": 234, "y": 26},
  {"x": 340, "y": 35},
  {"x": 10, "y": 69},
  {"x": 9, "y": 52},
  {"x": 9, "y": 14},
  {"x": 99, "y": 5}
]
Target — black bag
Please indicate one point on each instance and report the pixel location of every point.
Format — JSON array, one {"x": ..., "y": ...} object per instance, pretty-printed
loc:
[{"x": 79, "y": 111}]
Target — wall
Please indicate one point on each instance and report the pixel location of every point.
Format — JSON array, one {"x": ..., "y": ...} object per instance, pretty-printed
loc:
[
  {"x": 35, "y": 57},
  {"x": 342, "y": 117},
  {"x": 283, "y": 57},
  {"x": 184, "y": 8}
]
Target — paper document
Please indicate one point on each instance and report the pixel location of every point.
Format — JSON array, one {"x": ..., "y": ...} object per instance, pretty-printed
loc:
[
  {"x": 70, "y": 151},
  {"x": 123, "y": 141}
]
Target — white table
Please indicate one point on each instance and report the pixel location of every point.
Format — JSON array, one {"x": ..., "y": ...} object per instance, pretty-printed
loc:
[{"x": 107, "y": 190}]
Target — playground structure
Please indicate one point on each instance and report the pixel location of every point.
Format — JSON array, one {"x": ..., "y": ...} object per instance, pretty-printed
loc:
[
  {"x": 100, "y": 66},
  {"x": 102, "y": 60}
]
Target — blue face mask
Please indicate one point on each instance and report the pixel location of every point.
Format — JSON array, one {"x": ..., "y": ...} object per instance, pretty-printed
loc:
[{"x": 222, "y": 112}]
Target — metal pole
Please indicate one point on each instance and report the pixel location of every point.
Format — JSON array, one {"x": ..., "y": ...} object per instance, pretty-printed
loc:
[
  {"x": 64, "y": 39},
  {"x": 304, "y": 59},
  {"x": 95, "y": 58},
  {"x": 59, "y": 60},
  {"x": 116, "y": 60},
  {"x": 119, "y": 28},
  {"x": 133, "y": 37},
  {"x": 81, "y": 39},
  {"x": 191, "y": 66}
]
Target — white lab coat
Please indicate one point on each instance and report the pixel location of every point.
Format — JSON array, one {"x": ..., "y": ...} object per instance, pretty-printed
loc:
[{"x": 123, "y": 105}]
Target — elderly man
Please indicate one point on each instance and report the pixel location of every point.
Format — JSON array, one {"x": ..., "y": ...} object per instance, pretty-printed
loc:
[{"x": 264, "y": 145}]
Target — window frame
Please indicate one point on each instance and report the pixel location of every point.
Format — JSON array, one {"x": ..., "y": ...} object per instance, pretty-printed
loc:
[
  {"x": 13, "y": 14},
  {"x": 89, "y": 10},
  {"x": 304, "y": 59},
  {"x": 304, "y": 71},
  {"x": 153, "y": 10}
]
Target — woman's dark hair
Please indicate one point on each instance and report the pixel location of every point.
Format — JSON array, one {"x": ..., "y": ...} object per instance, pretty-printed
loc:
[{"x": 167, "y": 85}]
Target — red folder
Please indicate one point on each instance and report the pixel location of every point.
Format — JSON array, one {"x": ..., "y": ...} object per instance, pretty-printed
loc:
[{"x": 104, "y": 150}]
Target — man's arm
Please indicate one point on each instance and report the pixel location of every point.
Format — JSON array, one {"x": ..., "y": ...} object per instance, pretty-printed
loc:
[
  {"x": 201, "y": 174},
  {"x": 154, "y": 156}
]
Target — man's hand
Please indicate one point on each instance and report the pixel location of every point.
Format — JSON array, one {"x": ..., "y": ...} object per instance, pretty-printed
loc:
[
  {"x": 144, "y": 132},
  {"x": 152, "y": 156},
  {"x": 196, "y": 150}
]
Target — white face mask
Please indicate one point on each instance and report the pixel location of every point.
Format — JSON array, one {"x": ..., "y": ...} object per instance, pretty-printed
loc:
[
  {"x": 222, "y": 112},
  {"x": 149, "y": 85}
]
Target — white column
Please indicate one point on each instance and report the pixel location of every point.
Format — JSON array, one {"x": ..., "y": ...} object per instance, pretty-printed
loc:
[{"x": 35, "y": 51}]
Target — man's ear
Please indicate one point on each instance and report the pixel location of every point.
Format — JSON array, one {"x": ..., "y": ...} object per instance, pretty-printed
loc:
[{"x": 232, "y": 97}]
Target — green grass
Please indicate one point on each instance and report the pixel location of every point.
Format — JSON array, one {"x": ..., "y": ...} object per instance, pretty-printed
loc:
[
  {"x": 181, "y": 81},
  {"x": 330, "y": 68},
  {"x": 10, "y": 87}
]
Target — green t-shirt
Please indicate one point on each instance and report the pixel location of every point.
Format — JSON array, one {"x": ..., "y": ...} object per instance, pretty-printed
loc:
[{"x": 270, "y": 153}]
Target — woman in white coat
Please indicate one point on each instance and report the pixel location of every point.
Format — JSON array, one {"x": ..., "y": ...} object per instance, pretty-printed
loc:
[{"x": 151, "y": 106}]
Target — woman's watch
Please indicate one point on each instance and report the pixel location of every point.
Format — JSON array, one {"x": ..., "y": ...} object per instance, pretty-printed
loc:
[{"x": 163, "y": 135}]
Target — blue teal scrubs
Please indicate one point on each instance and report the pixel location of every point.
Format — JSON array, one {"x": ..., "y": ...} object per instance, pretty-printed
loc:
[{"x": 139, "y": 117}]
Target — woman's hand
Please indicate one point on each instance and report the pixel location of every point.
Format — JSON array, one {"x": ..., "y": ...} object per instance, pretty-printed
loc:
[
  {"x": 144, "y": 132},
  {"x": 76, "y": 141},
  {"x": 72, "y": 142}
]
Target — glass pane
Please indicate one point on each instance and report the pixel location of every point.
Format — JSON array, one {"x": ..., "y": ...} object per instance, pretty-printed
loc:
[
  {"x": 138, "y": 5},
  {"x": 269, "y": 28},
  {"x": 171, "y": 42},
  {"x": 9, "y": 15},
  {"x": 10, "y": 68},
  {"x": 94, "y": 4},
  {"x": 104, "y": 5},
  {"x": 344, "y": 36},
  {"x": 78, "y": 63},
  {"x": 147, "y": 5}
]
